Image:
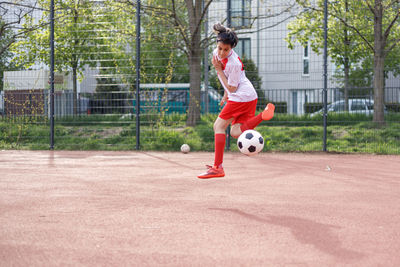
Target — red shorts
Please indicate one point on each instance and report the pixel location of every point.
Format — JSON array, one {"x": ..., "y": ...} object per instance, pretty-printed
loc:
[{"x": 239, "y": 111}]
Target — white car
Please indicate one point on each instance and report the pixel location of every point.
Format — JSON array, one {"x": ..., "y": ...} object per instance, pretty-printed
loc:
[{"x": 356, "y": 106}]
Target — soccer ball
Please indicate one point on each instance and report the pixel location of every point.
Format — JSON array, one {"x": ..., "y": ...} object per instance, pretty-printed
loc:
[
  {"x": 250, "y": 142},
  {"x": 185, "y": 148}
]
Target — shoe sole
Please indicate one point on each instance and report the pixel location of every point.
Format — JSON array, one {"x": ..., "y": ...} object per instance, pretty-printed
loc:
[{"x": 213, "y": 176}]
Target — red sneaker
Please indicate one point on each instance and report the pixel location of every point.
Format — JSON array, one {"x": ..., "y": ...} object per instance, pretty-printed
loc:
[
  {"x": 268, "y": 112},
  {"x": 212, "y": 172}
]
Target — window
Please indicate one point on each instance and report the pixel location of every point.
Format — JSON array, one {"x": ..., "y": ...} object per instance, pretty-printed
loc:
[
  {"x": 358, "y": 105},
  {"x": 338, "y": 106},
  {"x": 306, "y": 60},
  {"x": 243, "y": 48},
  {"x": 240, "y": 13}
]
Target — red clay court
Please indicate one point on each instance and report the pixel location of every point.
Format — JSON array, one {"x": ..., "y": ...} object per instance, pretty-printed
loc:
[{"x": 148, "y": 209}]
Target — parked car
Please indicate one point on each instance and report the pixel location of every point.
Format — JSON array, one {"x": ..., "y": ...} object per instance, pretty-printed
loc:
[{"x": 356, "y": 106}]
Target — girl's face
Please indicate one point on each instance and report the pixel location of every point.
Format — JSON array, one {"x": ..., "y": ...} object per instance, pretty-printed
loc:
[{"x": 223, "y": 50}]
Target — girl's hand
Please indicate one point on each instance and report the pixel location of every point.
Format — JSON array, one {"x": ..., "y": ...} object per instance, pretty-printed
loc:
[
  {"x": 217, "y": 64},
  {"x": 223, "y": 100}
]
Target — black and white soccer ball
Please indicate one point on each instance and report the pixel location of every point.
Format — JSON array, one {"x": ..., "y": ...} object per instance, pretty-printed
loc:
[{"x": 250, "y": 142}]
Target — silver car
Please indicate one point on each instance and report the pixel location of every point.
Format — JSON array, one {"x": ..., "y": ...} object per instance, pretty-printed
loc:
[{"x": 356, "y": 106}]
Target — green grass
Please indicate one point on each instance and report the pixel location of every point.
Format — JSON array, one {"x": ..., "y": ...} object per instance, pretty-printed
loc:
[{"x": 286, "y": 133}]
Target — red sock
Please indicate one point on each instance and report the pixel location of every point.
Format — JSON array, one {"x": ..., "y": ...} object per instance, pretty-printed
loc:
[
  {"x": 251, "y": 123},
  {"x": 219, "y": 143}
]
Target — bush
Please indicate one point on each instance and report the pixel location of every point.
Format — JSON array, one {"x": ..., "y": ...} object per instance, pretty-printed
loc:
[
  {"x": 162, "y": 139},
  {"x": 393, "y": 107},
  {"x": 280, "y": 107},
  {"x": 312, "y": 107}
]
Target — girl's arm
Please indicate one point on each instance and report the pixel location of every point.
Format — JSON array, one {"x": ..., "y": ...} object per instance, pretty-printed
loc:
[
  {"x": 224, "y": 98},
  {"x": 218, "y": 67}
]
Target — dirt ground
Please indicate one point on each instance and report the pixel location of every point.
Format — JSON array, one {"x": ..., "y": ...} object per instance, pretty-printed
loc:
[{"x": 96, "y": 208}]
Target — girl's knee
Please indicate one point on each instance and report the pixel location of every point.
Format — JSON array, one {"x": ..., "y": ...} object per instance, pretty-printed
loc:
[
  {"x": 235, "y": 135},
  {"x": 236, "y": 132},
  {"x": 219, "y": 126}
]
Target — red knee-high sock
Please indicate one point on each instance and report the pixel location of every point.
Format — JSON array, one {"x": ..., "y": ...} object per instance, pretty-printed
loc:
[
  {"x": 219, "y": 143},
  {"x": 251, "y": 123}
]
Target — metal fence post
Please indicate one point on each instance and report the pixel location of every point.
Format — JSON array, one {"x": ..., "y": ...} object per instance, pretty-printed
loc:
[
  {"x": 138, "y": 75},
  {"x": 258, "y": 34},
  {"x": 52, "y": 74},
  {"x": 325, "y": 91},
  {"x": 206, "y": 67},
  {"x": 229, "y": 24},
  {"x": 229, "y": 14}
]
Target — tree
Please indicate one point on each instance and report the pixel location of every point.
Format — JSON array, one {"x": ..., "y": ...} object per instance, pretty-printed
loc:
[
  {"x": 385, "y": 17},
  {"x": 177, "y": 26},
  {"x": 12, "y": 15},
  {"x": 75, "y": 39},
  {"x": 356, "y": 81},
  {"x": 345, "y": 49},
  {"x": 162, "y": 59},
  {"x": 185, "y": 19},
  {"x": 5, "y": 56},
  {"x": 192, "y": 40},
  {"x": 368, "y": 27},
  {"x": 189, "y": 25}
]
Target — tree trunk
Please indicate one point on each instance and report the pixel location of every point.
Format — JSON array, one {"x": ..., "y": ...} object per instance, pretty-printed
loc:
[
  {"x": 195, "y": 85},
  {"x": 346, "y": 62},
  {"x": 75, "y": 61},
  {"x": 74, "y": 90},
  {"x": 194, "y": 49},
  {"x": 379, "y": 64},
  {"x": 346, "y": 83},
  {"x": 379, "y": 88}
]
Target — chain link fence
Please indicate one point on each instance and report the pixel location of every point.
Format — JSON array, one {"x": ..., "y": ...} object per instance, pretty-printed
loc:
[{"x": 95, "y": 70}]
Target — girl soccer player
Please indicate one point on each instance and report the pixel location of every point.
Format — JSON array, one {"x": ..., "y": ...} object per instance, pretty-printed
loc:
[{"x": 239, "y": 95}]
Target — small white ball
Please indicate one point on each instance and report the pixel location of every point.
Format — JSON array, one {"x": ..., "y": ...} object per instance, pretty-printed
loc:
[{"x": 185, "y": 148}]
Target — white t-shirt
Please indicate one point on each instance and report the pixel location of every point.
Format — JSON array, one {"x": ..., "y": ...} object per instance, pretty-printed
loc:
[{"x": 236, "y": 77}]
